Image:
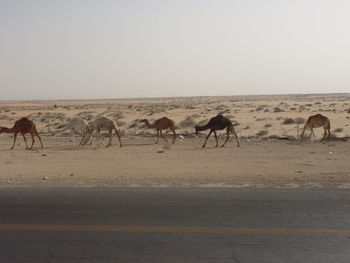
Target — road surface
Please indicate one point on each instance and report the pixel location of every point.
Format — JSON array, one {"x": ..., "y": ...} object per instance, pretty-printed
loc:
[{"x": 174, "y": 225}]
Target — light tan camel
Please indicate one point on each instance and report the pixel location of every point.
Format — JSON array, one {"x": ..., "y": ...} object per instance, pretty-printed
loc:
[
  {"x": 317, "y": 121},
  {"x": 98, "y": 125},
  {"x": 75, "y": 124},
  {"x": 23, "y": 126},
  {"x": 160, "y": 125},
  {"x": 218, "y": 122}
]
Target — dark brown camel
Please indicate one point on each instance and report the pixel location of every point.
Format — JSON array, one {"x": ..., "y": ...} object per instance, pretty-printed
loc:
[
  {"x": 317, "y": 121},
  {"x": 162, "y": 124},
  {"x": 218, "y": 122},
  {"x": 23, "y": 126}
]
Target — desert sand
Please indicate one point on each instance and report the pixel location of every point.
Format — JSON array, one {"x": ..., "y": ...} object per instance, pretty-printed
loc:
[{"x": 270, "y": 154}]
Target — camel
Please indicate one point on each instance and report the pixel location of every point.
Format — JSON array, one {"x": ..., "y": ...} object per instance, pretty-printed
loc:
[
  {"x": 160, "y": 125},
  {"x": 23, "y": 126},
  {"x": 317, "y": 121},
  {"x": 75, "y": 124},
  {"x": 218, "y": 122},
  {"x": 98, "y": 125}
]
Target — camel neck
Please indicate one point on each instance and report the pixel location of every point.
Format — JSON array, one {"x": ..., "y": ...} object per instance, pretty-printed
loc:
[
  {"x": 7, "y": 130},
  {"x": 149, "y": 125},
  {"x": 202, "y": 128}
]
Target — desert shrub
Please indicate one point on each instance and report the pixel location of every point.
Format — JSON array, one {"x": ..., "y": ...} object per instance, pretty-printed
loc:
[
  {"x": 188, "y": 122},
  {"x": 288, "y": 121},
  {"x": 60, "y": 126},
  {"x": 299, "y": 120},
  {"x": 235, "y": 123},
  {"x": 246, "y": 128},
  {"x": 259, "y": 108},
  {"x": 262, "y": 133},
  {"x": 120, "y": 123},
  {"x": 338, "y": 130},
  {"x": 349, "y": 110},
  {"x": 277, "y": 109},
  {"x": 195, "y": 116},
  {"x": 268, "y": 125},
  {"x": 220, "y": 107},
  {"x": 266, "y": 110},
  {"x": 190, "y": 107},
  {"x": 117, "y": 115},
  {"x": 134, "y": 123}
]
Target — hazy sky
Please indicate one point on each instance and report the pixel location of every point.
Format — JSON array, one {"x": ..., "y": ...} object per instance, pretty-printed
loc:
[{"x": 71, "y": 49}]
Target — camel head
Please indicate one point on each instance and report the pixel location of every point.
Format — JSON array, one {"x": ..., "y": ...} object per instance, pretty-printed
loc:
[
  {"x": 145, "y": 121},
  {"x": 196, "y": 128}
]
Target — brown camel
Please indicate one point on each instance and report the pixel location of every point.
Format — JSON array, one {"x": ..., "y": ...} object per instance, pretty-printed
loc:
[
  {"x": 162, "y": 124},
  {"x": 218, "y": 122},
  {"x": 317, "y": 121},
  {"x": 23, "y": 126}
]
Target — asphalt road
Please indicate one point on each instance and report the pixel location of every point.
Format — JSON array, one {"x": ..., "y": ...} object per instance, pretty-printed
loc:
[{"x": 174, "y": 225}]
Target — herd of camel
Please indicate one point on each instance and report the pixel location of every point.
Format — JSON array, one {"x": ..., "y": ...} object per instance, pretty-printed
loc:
[{"x": 219, "y": 122}]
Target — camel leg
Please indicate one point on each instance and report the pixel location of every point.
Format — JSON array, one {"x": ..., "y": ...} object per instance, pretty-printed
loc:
[
  {"x": 25, "y": 140},
  {"x": 86, "y": 139},
  {"x": 206, "y": 139},
  {"x": 110, "y": 138},
  {"x": 118, "y": 135},
  {"x": 329, "y": 133},
  {"x": 302, "y": 134},
  {"x": 157, "y": 136},
  {"x": 98, "y": 137},
  {"x": 82, "y": 139},
  {"x": 216, "y": 139},
  {"x": 33, "y": 140},
  {"x": 174, "y": 138},
  {"x": 227, "y": 136},
  {"x": 161, "y": 134},
  {"x": 324, "y": 134},
  {"x": 235, "y": 134},
  {"x": 37, "y": 134},
  {"x": 14, "y": 140},
  {"x": 73, "y": 136}
]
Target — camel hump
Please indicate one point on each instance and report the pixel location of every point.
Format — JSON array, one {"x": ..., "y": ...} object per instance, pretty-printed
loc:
[
  {"x": 163, "y": 120},
  {"x": 24, "y": 121}
]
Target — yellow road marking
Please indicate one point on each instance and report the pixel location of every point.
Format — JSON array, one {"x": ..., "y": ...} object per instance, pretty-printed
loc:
[{"x": 178, "y": 230}]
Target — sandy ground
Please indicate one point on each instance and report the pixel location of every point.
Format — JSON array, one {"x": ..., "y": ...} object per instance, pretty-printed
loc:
[{"x": 263, "y": 160}]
